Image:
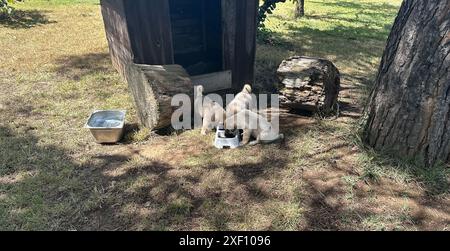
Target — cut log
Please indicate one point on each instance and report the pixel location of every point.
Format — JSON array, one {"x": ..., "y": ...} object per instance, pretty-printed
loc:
[
  {"x": 309, "y": 84},
  {"x": 153, "y": 87}
]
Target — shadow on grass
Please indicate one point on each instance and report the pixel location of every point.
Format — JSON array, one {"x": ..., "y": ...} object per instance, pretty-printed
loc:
[
  {"x": 327, "y": 197},
  {"x": 39, "y": 188},
  {"x": 311, "y": 42},
  {"x": 25, "y": 19},
  {"x": 376, "y": 11},
  {"x": 346, "y": 39},
  {"x": 434, "y": 180},
  {"x": 76, "y": 67},
  {"x": 372, "y": 8},
  {"x": 325, "y": 215},
  {"x": 43, "y": 187},
  {"x": 165, "y": 197}
]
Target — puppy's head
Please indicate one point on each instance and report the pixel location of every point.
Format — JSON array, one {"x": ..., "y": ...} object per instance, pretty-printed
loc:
[
  {"x": 247, "y": 89},
  {"x": 229, "y": 122},
  {"x": 198, "y": 100}
]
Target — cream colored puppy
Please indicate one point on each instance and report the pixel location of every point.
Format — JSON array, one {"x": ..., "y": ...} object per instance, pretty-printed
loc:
[
  {"x": 253, "y": 124},
  {"x": 244, "y": 100},
  {"x": 212, "y": 113}
]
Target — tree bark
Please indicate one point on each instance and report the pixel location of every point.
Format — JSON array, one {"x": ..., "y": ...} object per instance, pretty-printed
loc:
[
  {"x": 409, "y": 109},
  {"x": 300, "y": 8},
  {"x": 309, "y": 84},
  {"x": 153, "y": 87}
]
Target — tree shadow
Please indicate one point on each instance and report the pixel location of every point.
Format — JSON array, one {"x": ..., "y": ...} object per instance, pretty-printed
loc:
[
  {"x": 169, "y": 196},
  {"x": 373, "y": 8},
  {"x": 43, "y": 187},
  {"x": 35, "y": 182},
  {"x": 339, "y": 197},
  {"x": 325, "y": 214},
  {"x": 433, "y": 180},
  {"x": 25, "y": 19},
  {"x": 76, "y": 67},
  {"x": 346, "y": 39}
]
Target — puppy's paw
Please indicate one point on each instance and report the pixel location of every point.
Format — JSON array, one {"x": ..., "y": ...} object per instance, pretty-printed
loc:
[
  {"x": 254, "y": 143},
  {"x": 242, "y": 144}
]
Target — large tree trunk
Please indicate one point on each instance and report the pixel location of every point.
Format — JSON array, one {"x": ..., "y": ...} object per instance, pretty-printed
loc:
[
  {"x": 300, "y": 8},
  {"x": 409, "y": 108}
]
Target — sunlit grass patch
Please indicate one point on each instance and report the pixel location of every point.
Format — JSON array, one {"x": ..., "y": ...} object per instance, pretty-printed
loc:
[{"x": 53, "y": 176}]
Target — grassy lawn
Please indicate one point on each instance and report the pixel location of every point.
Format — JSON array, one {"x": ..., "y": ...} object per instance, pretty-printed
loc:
[{"x": 55, "y": 69}]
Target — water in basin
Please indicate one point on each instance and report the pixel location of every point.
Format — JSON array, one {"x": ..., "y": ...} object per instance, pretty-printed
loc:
[{"x": 106, "y": 119}]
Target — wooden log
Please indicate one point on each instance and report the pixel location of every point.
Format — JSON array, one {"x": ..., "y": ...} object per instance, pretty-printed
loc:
[
  {"x": 212, "y": 82},
  {"x": 153, "y": 87},
  {"x": 310, "y": 84}
]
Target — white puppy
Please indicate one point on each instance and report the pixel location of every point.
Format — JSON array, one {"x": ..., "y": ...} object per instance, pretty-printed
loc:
[
  {"x": 253, "y": 124},
  {"x": 244, "y": 100},
  {"x": 211, "y": 112}
]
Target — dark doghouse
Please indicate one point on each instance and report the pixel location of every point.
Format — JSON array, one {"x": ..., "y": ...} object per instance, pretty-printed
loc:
[{"x": 213, "y": 42}]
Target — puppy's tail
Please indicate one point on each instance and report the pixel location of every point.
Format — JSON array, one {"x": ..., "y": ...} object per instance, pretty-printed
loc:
[
  {"x": 247, "y": 89},
  {"x": 200, "y": 90}
]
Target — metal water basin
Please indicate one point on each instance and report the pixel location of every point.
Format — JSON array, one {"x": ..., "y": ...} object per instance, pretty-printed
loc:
[{"x": 107, "y": 126}]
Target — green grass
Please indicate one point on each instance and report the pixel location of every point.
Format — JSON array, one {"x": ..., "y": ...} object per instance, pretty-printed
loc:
[
  {"x": 51, "y": 3},
  {"x": 55, "y": 70}
]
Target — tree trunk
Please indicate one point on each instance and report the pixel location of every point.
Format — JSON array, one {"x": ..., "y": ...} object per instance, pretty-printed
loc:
[
  {"x": 409, "y": 109},
  {"x": 300, "y": 8},
  {"x": 153, "y": 87}
]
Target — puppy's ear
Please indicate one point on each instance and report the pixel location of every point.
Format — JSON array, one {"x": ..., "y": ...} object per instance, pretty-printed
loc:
[{"x": 247, "y": 89}]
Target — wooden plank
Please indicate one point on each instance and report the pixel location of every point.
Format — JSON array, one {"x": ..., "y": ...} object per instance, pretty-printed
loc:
[
  {"x": 239, "y": 38},
  {"x": 214, "y": 81},
  {"x": 203, "y": 20},
  {"x": 113, "y": 13},
  {"x": 141, "y": 31},
  {"x": 229, "y": 33},
  {"x": 150, "y": 31},
  {"x": 138, "y": 31},
  {"x": 245, "y": 51}
]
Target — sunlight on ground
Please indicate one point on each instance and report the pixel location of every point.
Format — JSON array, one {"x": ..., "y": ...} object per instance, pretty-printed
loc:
[{"x": 55, "y": 70}]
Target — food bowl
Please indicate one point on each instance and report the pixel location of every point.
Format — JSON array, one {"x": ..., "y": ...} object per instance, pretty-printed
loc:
[
  {"x": 225, "y": 140},
  {"x": 106, "y": 126}
]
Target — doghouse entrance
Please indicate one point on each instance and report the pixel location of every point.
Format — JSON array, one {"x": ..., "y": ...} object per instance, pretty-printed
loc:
[{"x": 197, "y": 35}]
